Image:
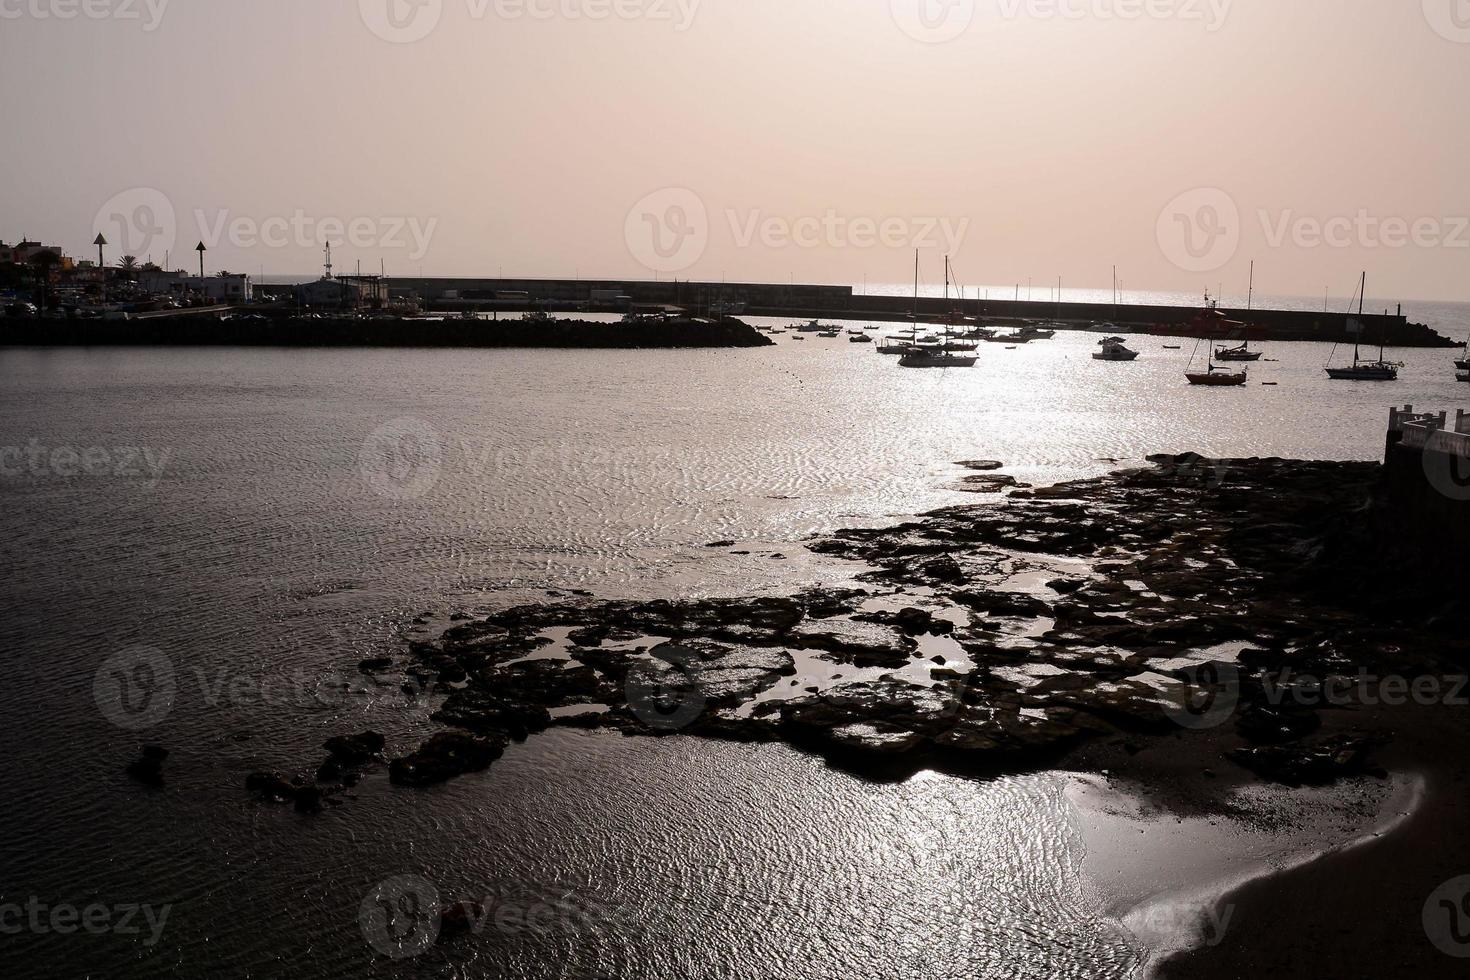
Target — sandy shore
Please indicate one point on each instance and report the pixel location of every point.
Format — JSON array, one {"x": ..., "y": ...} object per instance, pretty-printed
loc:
[{"x": 1359, "y": 912}]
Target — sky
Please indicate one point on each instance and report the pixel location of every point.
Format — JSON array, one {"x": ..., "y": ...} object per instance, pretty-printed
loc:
[{"x": 757, "y": 140}]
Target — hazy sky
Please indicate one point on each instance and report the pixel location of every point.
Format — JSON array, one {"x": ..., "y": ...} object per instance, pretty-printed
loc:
[{"x": 819, "y": 140}]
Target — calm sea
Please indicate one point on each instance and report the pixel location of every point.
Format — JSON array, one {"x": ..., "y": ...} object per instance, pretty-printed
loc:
[{"x": 227, "y": 510}]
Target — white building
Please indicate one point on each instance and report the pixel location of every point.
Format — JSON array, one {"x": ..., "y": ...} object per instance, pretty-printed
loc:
[{"x": 223, "y": 288}]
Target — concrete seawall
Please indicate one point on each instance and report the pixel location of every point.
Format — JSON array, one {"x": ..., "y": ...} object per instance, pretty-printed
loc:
[
  {"x": 1427, "y": 476},
  {"x": 194, "y": 331},
  {"x": 807, "y": 301}
]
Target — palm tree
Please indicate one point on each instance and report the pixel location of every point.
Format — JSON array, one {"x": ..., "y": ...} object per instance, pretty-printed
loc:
[{"x": 129, "y": 266}]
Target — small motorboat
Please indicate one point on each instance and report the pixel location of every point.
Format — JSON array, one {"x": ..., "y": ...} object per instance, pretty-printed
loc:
[
  {"x": 1113, "y": 349},
  {"x": 859, "y": 338}
]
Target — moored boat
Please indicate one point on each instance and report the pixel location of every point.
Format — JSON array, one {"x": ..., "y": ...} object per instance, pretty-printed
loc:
[
  {"x": 947, "y": 352},
  {"x": 1114, "y": 349},
  {"x": 1213, "y": 376},
  {"x": 1379, "y": 370},
  {"x": 936, "y": 359},
  {"x": 1212, "y": 318}
]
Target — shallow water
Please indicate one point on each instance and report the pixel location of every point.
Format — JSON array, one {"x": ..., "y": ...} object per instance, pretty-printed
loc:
[{"x": 295, "y": 509}]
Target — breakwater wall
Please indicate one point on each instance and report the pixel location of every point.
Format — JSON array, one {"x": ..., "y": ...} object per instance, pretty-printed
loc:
[
  {"x": 264, "y": 331},
  {"x": 1427, "y": 476},
  {"x": 805, "y": 301}
]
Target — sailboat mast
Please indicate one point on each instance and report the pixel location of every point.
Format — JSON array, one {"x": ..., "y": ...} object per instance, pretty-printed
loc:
[
  {"x": 1250, "y": 296},
  {"x": 916, "y": 288},
  {"x": 1358, "y": 333}
]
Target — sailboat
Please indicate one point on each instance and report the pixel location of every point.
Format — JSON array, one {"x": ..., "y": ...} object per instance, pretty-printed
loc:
[
  {"x": 1463, "y": 363},
  {"x": 935, "y": 356},
  {"x": 1243, "y": 352},
  {"x": 1113, "y": 323},
  {"x": 1212, "y": 376},
  {"x": 1379, "y": 370},
  {"x": 955, "y": 317}
]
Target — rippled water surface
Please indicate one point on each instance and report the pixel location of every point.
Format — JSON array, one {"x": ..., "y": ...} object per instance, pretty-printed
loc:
[{"x": 294, "y": 510}]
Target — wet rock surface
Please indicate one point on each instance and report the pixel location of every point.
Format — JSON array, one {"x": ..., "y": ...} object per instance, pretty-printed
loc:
[{"x": 1150, "y": 603}]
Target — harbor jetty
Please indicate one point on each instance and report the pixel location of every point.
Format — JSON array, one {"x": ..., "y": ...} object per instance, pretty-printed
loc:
[
  {"x": 252, "y": 328},
  {"x": 808, "y": 302}
]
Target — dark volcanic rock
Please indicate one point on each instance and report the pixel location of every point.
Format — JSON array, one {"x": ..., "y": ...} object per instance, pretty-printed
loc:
[
  {"x": 458, "y": 919},
  {"x": 445, "y": 756},
  {"x": 148, "y": 767},
  {"x": 1310, "y": 763},
  {"x": 271, "y": 787},
  {"x": 479, "y": 711},
  {"x": 355, "y": 750},
  {"x": 1267, "y": 725},
  {"x": 1296, "y": 561}
]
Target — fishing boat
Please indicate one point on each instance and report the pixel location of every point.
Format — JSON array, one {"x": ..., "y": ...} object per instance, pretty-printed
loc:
[
  {"x": 936, "y": 355},
  {"x": 1114, "y": 349},
  {"x": 814, "y": 326},
  {"x": 1379, "y": 370}
]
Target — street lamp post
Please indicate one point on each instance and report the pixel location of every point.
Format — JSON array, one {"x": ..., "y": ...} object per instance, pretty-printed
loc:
[
  {"x": 201, "y": 250},
  {"x": 101, "y": 266}
]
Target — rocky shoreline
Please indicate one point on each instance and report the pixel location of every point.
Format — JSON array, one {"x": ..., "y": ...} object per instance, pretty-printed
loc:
[{"x": 1194, "y": 598}]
